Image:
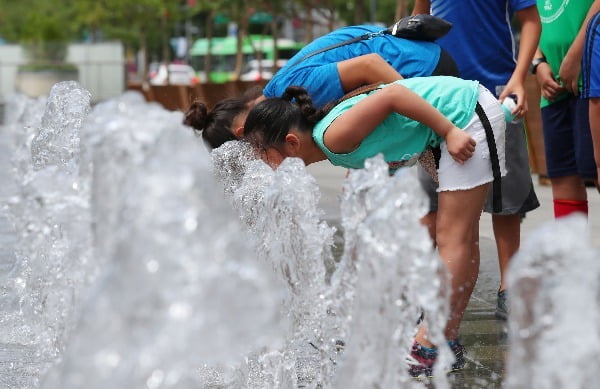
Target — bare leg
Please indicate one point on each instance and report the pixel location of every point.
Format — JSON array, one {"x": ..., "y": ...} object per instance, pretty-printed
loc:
[
  {"x": 458, "y": 241},
  {"x": 569, "y": 188},
  {"x": 507, "y": 231},
  {"x": 429, "y": 222}
]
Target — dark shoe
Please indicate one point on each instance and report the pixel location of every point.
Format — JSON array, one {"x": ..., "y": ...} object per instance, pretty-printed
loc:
[
  {"x": 502, "y": 306},
  {"x": 421, "y": 361},
  {"x": 459, "y": 353}
]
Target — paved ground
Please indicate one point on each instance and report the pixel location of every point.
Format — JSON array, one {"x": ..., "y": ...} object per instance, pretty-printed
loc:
[{"x": 483, "y": 335}]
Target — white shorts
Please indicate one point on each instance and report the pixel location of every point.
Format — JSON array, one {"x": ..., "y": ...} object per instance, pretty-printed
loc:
[{"x": 477, "y": 170}]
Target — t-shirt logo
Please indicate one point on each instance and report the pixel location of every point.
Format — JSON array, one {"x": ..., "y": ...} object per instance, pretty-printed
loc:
[{"x": 552, "y": 9}]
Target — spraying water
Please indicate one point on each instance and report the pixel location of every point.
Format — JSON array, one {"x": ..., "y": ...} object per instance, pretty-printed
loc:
[
  {"x": 164, "y": 277},
  {"x": 50, "y": 216},
  {"x": 132, "y": 269},
  {"x": 554, "y": 325},
  {"x": 387, "y": 278}
]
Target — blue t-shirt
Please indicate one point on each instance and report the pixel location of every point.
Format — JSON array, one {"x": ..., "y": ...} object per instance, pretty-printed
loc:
[
  {"x": 481, "y": 38},
  {"x": 319, "y": 74}
]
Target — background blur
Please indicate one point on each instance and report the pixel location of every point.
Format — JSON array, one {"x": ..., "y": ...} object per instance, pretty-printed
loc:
[{"x": 114, "y": 44}]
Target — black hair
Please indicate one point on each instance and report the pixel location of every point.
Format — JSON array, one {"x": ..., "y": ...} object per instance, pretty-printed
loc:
[
  {"x": 271, "y": 120},
  {"x": 216, "y": 126}
]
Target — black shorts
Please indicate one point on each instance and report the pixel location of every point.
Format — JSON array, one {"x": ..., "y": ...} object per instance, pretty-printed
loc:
[{"x": 568, "y": 139}]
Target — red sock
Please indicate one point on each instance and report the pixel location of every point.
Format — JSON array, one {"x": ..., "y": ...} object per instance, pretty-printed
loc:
[{"x": 567, "y": 207}]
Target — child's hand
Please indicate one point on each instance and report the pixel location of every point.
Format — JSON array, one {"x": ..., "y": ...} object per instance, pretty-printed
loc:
[
  {"x": 549, "y": 86},
  {"x": 460, "y": 145}
]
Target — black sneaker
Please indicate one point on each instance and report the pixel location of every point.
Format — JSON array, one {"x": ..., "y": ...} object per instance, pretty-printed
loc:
[
  {"x": 459, "y": 354},
  {"x": 502, "y": 306}
]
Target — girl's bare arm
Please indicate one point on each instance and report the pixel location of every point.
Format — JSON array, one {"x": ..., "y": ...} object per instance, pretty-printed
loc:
[
  {"x": 364, "y": 70},
  {"x": 349, "y": 129}
]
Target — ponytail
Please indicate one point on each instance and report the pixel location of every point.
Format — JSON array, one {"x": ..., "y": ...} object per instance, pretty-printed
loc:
[
  {"x": 272, "y": 119},
  {"x": 215, "y": 126}
]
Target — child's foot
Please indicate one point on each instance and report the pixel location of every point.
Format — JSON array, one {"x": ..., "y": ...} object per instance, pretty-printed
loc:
[{"x": 422, "y": 359}]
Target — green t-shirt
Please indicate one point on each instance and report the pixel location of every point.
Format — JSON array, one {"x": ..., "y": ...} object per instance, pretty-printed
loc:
[
  {"x": 561, "y": 21},
  {"x": 400, "y": 139}
]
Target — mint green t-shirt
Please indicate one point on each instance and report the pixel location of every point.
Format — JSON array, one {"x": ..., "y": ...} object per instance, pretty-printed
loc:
[
  {"x": 561, "y": 21},
  {"x": 400, "y": 139}
]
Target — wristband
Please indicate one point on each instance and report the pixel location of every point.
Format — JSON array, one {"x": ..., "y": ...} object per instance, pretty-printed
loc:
[{"x": 535, "y": 63}]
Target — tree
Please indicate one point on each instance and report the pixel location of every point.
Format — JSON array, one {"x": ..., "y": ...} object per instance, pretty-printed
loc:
[
  {"x": 42, "y": 27},
  {"x": 209, "y": 8},
  {"x": 142, "y": 24}
]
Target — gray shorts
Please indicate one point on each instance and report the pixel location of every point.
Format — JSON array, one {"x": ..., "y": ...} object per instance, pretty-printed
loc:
[{"x": 518, "y": 195}]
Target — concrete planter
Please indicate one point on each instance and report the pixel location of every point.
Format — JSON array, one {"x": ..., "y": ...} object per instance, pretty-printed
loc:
[{"x": 35, "y": 83}]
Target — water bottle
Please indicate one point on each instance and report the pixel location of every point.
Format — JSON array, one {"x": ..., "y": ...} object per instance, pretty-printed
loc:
[{"x": 508, "y": 104}]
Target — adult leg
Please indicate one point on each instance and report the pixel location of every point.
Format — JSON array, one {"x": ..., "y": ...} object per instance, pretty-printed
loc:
[{"x": 458, "y": 241}]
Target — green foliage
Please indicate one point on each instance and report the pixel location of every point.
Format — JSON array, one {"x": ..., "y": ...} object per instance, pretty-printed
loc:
[
  {"x": 138, "y": 22},
  {"x": 37, "y": 20},
  {"x": 54, "y": 67},
  {"x": 43, "y": 25},
  {"x": 385, "y": 10}
]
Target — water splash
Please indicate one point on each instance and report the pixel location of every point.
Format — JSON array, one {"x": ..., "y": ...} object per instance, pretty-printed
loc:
[
  {"x": 387, "y": 277},
  {"x": 57, "y": 140},
  {"x": 179, "y": 284},
  {"x": 135, "y": 217},
  {"x": 553, "y": 327},
  {"x": 280, "y": 208},
  {"x": 49, "y": 214},
  {"x": 135, "y": 271}
]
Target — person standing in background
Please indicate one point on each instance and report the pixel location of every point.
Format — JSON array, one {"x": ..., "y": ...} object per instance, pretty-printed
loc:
[
  {"x": 565, "y": 117},
  {"x": 482, "y": 43}
]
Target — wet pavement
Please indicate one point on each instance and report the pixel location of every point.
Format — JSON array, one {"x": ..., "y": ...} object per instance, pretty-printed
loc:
[{"x": 484, "y": 336}]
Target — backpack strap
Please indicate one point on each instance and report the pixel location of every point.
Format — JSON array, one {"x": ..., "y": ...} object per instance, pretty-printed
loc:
[{"x": 362, "y": 37}]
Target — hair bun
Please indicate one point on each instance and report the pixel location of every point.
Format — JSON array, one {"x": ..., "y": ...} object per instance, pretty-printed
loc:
[
  {"x": 293, "y": 92},
  {"x": 197, "y": 116}
]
